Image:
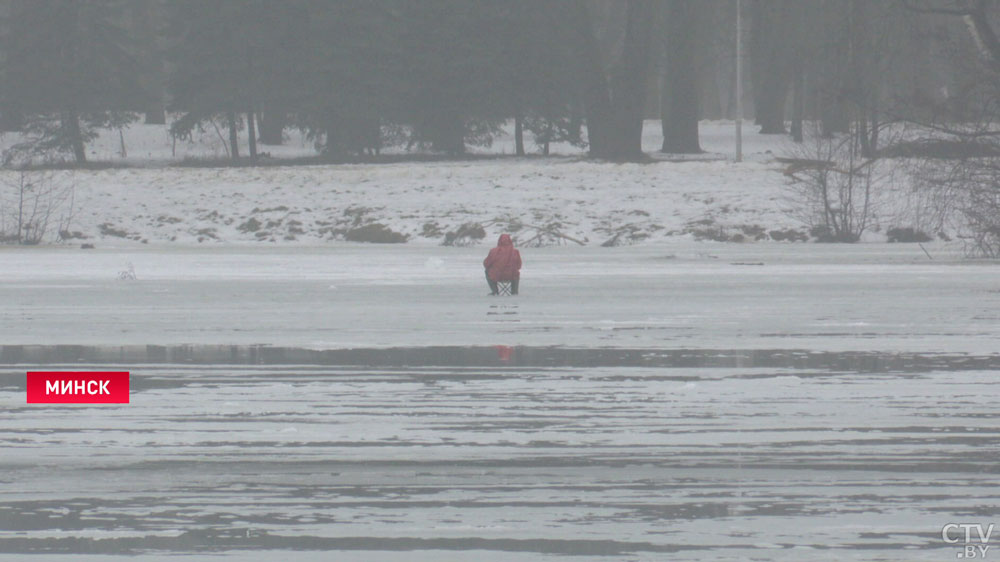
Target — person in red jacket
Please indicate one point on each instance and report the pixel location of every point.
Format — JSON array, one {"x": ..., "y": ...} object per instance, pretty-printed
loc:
[{"x": 503, "y": 264}]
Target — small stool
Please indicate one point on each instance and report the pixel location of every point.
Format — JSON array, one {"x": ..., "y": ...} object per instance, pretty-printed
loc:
[{"x": 503, "y": 288}]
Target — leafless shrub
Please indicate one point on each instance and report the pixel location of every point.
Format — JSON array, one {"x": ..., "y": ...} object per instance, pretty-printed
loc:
[
  {"x": 33, "y": 204},
  {"x": 834, "y": 189},
  {"x": 968, "y": 184},
  {"x": 969, "y": 188}
]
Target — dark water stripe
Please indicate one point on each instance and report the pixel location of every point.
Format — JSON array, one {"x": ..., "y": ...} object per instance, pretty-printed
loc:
[
  {"x": 496, "y": 356},
  {"x": 207, "y": 541}
]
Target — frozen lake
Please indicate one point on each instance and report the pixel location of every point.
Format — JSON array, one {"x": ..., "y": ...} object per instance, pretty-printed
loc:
[
  {"x": 683, "y": 402},
  {"x": 880, "y": 297}
]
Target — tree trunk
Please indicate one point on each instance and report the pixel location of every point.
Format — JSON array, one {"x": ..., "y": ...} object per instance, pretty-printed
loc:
[
  {"x": 596, "y": 99},
  {"x": 771, "y": 111},
  {"x": 145, "y": 20},
  {"x": 252, "y": 135},
  {"x": 679, "y": 92},
  {"x": 833, "y": 110},
  {"x": 71, "y": 128},
  {"x": 271, "y": 125},
  {"x": 20, "y": 208},
  {"x": 519, "y": 135},
  {"x": 833, "y": 84},
  {"x": 628, "y": 84},
  {"x": 770, "y": 52},
  {"x": 447, "y": 132},
  {"x": 798, "y": 103},
  {"x": 833, "y": 115},
  {"x": 336, "y": 137},
  {"x": 873, "y": 136},
  {"x": 234, "y": 141},
  {"x": 758, "y": 62},
  {"x": 802, "y": 14},
  {"x": 615, "y": 106}
]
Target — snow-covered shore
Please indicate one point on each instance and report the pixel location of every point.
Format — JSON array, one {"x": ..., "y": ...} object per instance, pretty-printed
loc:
[
  {"x": 587, "y": 201},
  {"x": 563, "y": 199}
]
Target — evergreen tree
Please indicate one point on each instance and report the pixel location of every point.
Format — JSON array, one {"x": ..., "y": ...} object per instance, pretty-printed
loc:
[
  {"x": 453, "y": 71},
  {"x": 233, "y": 58},
  {"x": 542, "y": 79},
  {"x": 68, "y": 67},
  {"x": 356, "y": 63},
  {"x": 146, "y": 21}
]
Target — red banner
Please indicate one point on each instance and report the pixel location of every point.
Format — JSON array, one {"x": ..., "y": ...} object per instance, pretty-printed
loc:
[{"x": 78, "y": 387}]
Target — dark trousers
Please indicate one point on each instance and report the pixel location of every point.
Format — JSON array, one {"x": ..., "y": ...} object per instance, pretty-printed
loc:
[{"x": 495, "y": 290}]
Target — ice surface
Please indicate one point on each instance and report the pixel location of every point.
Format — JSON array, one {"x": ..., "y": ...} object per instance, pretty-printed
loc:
[
  {"x": 674, "y": 295},
  {"x": 756, "y": 451},
  {"x": 493, "y": 462}
]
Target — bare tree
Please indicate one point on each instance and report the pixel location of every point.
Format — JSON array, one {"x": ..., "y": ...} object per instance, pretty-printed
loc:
[
  {"x": 834, "y": 186},
  {"x": 968, "y": 181},
  {"x": 31, "y": 204}
]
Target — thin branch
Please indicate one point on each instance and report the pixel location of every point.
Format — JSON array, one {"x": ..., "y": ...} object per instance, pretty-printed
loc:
[{"x": 554, "y": 233}]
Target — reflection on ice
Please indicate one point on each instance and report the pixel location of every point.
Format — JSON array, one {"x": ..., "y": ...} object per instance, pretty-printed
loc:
[{"x": 504, "y": 352}]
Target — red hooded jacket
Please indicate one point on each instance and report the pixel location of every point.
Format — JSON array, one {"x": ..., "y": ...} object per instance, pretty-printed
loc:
[{"x": 504, "y": 262}]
